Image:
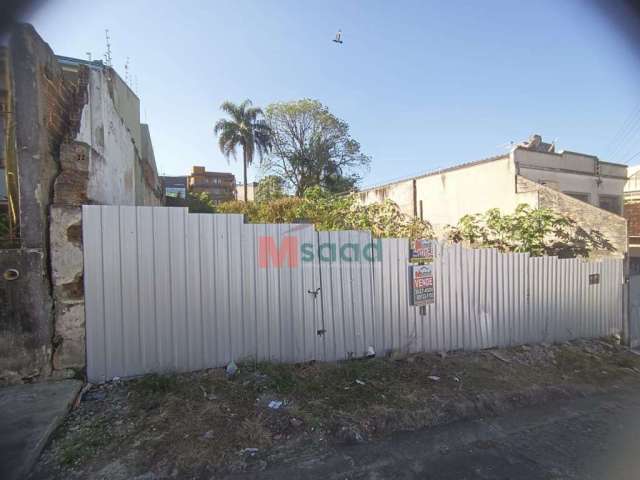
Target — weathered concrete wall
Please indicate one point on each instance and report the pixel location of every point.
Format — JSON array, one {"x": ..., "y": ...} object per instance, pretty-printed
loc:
[
  {"x": 78, "y": 140},
  {"x": 68, "y": 289},
  {"x": 44, "y": 108},
  {"x": 571, "y": 172},
  {"x": 113, "y": 153},
  {"x": 592, "y": 219},
  {"x": 25, "y": 316},
  {"x": 445, "y": 197},
  {"x": 148, "y": 183},
  {"x": 400, "y": 192}
]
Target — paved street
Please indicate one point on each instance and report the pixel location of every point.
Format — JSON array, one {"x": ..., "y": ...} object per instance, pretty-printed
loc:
[
  {"x": 29, "y": 414},
  {"x": 589, "y": 438}
]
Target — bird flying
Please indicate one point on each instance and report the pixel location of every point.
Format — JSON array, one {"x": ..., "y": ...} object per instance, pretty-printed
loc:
[{"x": 338, "y": 38}]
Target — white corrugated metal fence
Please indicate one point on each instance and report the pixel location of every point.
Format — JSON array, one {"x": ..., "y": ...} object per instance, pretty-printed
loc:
[{"x": 166, "y": 290}]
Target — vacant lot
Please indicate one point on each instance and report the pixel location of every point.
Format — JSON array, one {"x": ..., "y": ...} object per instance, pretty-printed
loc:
[{"x": 205, "y": 424}]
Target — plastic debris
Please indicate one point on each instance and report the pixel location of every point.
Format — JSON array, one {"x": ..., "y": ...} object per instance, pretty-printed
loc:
[
  {"x": 360, "y": 382},
  {"x": 208, "y": 435},
  {"x": 435, "y": 378},
  {"x": 275, "y": 404},
  {"x": 250, "y": 451},
  {"x": 231, "y": 368},
  {"x": 371, "y": 352},
  {"x": 456, "y": 379},
  {"x": 208, "y": 396}
]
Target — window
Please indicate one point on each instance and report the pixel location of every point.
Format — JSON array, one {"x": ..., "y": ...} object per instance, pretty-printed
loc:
[
  {"x": 583, "y": 197},
  {"x": 175, "y": 192},
  {"x": 611, "y": 203}
]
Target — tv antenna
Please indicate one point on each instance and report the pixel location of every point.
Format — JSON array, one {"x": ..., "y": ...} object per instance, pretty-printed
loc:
[
  {"x": 126, "y": 72},
  {"x": 107, "y": 55},
  {"x": 88, "y": 55}
]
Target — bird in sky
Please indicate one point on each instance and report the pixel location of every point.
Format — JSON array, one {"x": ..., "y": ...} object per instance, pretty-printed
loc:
[{"x": 338, "y": 38}]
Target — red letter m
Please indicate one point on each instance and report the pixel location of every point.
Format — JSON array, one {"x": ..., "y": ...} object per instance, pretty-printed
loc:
[{"x": 267, "y": 249}]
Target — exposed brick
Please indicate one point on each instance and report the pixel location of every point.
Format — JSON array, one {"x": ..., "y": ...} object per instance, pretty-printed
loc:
[{"x": 632, "y": 214}]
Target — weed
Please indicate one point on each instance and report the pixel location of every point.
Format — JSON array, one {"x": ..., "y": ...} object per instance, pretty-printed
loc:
[{"x": 253, "y": 432}]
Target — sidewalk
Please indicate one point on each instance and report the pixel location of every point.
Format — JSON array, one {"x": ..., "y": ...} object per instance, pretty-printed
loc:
[
  {"x": 28, "y": 416},
  {"x": 209, "y": 424}
]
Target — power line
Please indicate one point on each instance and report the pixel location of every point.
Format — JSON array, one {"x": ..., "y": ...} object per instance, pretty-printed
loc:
[
  {"x": 623, "y": 132},
  {"x": 627, "y": 140}
]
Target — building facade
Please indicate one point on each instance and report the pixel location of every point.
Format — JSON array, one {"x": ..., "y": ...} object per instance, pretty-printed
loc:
[
  {"x": 70, "y": 134},
  {"x": 578, "y": 185},
  {"x": 220, "y": 186},
  {"x": 632, "y": 214},
  {"x": 175, "y": 187},
  {"x": 251, "y": 191}
]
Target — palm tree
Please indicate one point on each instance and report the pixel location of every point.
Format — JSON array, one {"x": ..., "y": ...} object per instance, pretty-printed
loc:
[{"x": 246, "y": 128}]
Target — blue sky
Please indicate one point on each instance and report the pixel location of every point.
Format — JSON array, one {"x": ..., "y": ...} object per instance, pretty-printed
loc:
[{"x": 422, "y": 84}]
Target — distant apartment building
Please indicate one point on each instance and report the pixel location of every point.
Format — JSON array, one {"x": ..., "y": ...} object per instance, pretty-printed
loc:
[
  {"x": 220, "y": 186},
  {"x": 251, "y": 191},
  {"x": 578, "y": 185}
]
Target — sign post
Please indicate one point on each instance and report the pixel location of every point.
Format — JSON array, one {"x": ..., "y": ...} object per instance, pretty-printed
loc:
[{"x": 421, "y": 274}]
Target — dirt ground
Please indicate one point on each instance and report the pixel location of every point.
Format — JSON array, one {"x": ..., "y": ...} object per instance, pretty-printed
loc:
[{"x": 208, "y": 425}]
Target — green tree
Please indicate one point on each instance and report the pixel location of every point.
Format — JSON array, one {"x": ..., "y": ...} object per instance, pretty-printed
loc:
[
  {"x": 200, "y": 203},
  {"x": 269, "y": 188},
  {"x": 538, "y": 231},
  {"x": 247, "y": 129},
  {"x": 329, "y": 211},
  {"x": 312, "y": 147}
]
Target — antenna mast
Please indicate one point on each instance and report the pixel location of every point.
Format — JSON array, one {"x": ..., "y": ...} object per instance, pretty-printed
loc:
[
  {"x": 127, "y": 76},
  {"x": 107, "y": 55}
]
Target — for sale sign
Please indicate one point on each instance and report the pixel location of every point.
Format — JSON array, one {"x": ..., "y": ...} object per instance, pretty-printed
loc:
[
  {"x": 421, "y": 250},
  {"x": 421, "y": 278}
]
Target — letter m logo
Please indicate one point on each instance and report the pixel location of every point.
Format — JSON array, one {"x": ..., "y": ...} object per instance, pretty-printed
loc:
[{"x": 269, "y": 252}]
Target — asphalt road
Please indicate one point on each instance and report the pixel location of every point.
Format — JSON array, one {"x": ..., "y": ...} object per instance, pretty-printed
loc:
[{"x": 588, "y": 438}]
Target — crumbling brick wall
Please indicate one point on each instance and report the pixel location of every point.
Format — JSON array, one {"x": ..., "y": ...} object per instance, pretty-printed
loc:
[
  {"x": 632, "y": 214},
  {"x": 43, "y": 119}
]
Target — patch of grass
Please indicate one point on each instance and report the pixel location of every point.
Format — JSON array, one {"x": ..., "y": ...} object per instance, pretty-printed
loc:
[
  {"x": 156, "y": 384},
  {"x": 253, "y": 433},
  {"x": 626, "y": 361},
  {"x": 575, "y": 360},
  {"x": 86, "y": 442}
]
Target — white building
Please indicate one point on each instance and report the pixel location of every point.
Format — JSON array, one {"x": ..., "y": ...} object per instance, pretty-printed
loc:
[{"x": 579, "y": 185}]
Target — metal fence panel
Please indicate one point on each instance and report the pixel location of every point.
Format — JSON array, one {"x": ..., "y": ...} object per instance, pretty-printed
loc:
[{"x": 166, "y": 290}]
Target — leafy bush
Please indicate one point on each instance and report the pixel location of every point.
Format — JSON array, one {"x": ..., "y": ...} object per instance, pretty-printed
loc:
[
  {"x": 538, "y": 231},
  {"x": 200, "y": 203},
  {"x": 333, "y": 212}
]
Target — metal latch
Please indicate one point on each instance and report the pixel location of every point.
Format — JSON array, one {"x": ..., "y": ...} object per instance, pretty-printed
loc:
[{"x": 314, "y": 292}]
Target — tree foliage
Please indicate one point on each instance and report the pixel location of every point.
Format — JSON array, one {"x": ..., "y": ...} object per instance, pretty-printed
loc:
[
  {"x": 246, "y": 129},
  {"x": 269, "y": 188},
  {"x": 312, "y": 147},
  {"x": 333, "y": 212},
  {"x": 538, "y": 231},
  {"x": 200, "y": 203}
]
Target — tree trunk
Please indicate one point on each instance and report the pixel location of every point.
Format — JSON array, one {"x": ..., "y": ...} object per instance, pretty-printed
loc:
[{"x": 244, "y": 154}]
